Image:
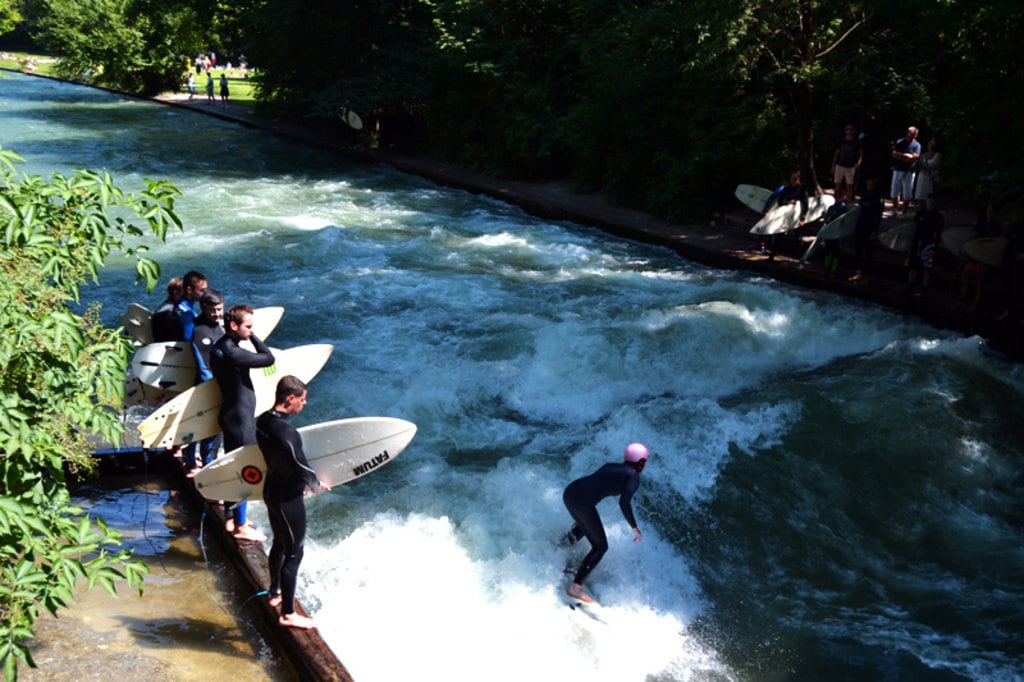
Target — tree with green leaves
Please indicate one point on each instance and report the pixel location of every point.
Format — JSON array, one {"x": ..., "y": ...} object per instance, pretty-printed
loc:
[
  {"x": 9, "y": 16},
  {"x": 137, "y": 46},
  {"x": 63, "y": 381}
]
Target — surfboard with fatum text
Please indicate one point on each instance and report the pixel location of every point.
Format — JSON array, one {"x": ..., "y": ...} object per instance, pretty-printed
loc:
[{"x": 338, "y": 451}]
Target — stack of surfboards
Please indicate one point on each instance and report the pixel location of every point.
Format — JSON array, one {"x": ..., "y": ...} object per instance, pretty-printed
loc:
[
  {"x": 963, "y": 242},
  {"x": 899, "y": 237},
  {"x": 338, "y": 451},
  {"x": 782, "y": 219},
  {"x": 163, "y": 369},
  {"x": 954, "y": 238},
  {"x": 192, "y": 415},
  {"x": 838, "y": 228}
]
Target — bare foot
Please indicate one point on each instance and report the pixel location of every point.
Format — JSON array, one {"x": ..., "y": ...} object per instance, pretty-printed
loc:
[
  {"x": 229, "y": 525},
  {"x": 274, "y": 601},
  {"x": 247, "y": 532},
  {"x": 294, "y": 620},
  {"x": 576, "y": 592}
]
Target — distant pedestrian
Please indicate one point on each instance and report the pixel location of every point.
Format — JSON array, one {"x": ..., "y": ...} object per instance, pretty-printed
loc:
[
  {"x": 190, "y": 83},
  {"x": 223, "y": 88},
  {"x": 209, "y": 89}
]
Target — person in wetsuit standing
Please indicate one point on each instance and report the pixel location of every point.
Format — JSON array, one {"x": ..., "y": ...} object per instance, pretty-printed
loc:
[
  {"x": 581, "y": 498},
  {"x": 289, "y": 479},
  {"x": 230, "y": 364},
  {"x": 207, "y": 331}
]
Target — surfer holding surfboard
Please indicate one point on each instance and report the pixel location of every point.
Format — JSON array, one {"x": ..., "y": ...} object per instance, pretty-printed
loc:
[
  {"x": 581, "y": 498},
  {"x": 230, "y": 364},
  {"x": 289, "y": 478}
]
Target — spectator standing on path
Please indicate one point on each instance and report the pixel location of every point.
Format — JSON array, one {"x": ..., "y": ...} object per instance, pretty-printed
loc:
[
  {"x": 223, "y": 88},
  {"x": 846, "y": 163},
  {"x": 230, "y": 364},
  {"x": 927, "y": 237},
  {"x": 289, "y": 479},
  {"x": 928, "y": 171},
  {"x": 209, "y": 88},
  {"x": 190, "y": 83},
  {"x": 904, "y": 158}
]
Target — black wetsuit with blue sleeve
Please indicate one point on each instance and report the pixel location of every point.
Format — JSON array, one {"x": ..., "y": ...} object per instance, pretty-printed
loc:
[{"x": 581, "y": 498}]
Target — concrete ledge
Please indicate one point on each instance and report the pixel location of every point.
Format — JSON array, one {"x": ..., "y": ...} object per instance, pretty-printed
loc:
[{"x": 306, "y": 650}]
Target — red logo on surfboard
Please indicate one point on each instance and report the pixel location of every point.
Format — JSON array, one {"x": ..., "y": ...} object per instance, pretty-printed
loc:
[{"x": 251, "y": 474}]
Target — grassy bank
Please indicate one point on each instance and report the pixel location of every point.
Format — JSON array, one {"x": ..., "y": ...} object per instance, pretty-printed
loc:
[{"x": 240, "y": 82}]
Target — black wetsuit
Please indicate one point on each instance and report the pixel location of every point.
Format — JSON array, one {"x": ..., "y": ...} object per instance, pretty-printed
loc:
[
  {"x": 230, "y": 365},
  {"x": 868, "y": 221},
  {"x": 288, "y": 477},
  {"x": 165, "y": 324},
  {"x": 581, "y": 498}
]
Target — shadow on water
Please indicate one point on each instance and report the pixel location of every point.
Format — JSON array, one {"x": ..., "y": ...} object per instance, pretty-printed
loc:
[{"x": 189, "y": 633}]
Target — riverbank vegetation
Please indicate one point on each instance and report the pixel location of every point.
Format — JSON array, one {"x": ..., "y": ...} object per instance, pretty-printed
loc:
[
  {"x": 62, "y": 382},
  {"x": 663, "y": 105}
]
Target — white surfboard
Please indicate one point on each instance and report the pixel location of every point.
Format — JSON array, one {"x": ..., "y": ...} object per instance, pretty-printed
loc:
[
  {"x": 137, "y": 323},
  {"x": 753, "y": 197},
  {"x": 841, "y": 227},
  {"x": 167, "y": 365},
  {"x": 783, "y": 219},
  {"x": 137, "y": 393},
  {"x": 192, "y": 415},
  {"x": 338, "y": 451},
  {"x": 987, "y": 250},
  {"x": 954, "y": 238},
  {"x": 171, "y": 365},
  {"x": 898, "y": 237}
]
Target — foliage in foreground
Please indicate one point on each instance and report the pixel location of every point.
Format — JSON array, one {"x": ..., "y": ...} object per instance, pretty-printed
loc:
[{"x": 62, "y": 380}]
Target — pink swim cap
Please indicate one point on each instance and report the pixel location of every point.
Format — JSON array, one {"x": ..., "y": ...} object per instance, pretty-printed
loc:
[{"x": 636, "y": 452}]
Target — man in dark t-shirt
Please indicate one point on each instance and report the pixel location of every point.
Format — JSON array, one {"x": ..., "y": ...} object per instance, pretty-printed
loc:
[{"x": 846, "y": 163}]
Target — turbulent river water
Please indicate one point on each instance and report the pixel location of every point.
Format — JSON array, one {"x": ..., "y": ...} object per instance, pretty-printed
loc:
[{"x": 836, "y": 491}]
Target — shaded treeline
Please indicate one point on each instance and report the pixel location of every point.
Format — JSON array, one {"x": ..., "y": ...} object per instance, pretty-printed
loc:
[{"x": 663, "y": 104}]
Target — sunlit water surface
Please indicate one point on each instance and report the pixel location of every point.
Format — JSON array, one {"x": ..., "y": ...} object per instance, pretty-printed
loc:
[{"x": 836, "y": 492}]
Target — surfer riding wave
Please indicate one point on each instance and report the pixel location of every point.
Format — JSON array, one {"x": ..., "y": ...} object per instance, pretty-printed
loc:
[{"x": 581, "y": 498}]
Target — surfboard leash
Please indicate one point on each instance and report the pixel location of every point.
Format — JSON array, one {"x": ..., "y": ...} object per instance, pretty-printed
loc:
[
  {"x": 206, "y": 579},
  {"x": 145, "y": 510}
]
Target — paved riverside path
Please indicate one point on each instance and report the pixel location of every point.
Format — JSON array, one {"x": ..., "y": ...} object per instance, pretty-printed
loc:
[{"x": 722, "y": 242}]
